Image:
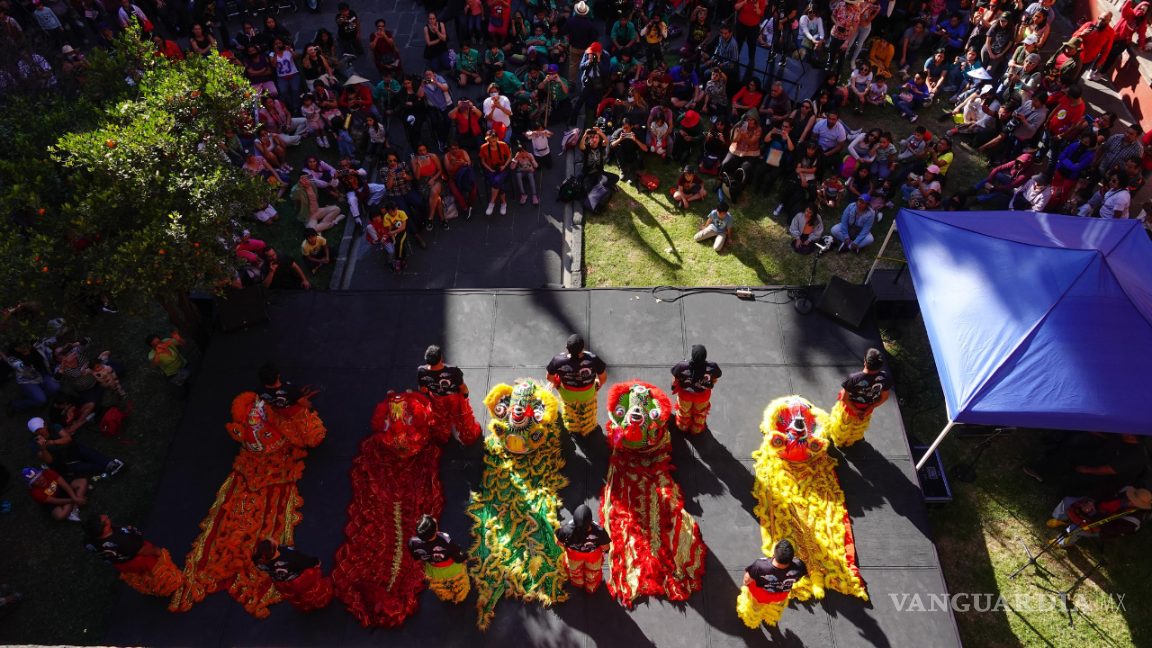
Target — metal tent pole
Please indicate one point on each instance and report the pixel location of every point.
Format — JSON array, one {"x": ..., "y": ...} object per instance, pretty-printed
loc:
[
  {"x": 883, "y": 247},
  {"x": 935, "y": 444}
]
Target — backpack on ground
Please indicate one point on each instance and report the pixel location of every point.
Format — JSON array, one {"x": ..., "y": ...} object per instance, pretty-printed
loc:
[
  {"x": 465, "y": 179},
  {"x": 571, "y": 139},
  {"x": 598, "y": 197},
  {"x": 570, "y": 189},
  {"x": 113, "y": 419},
  {"x": 732, "y": 185}
]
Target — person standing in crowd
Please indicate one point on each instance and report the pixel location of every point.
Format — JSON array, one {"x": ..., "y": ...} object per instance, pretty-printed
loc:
[
  {"x": 1133, "y": 21},
  {"x": 443, "y": 561},
  {"x": 585, "y": 543},
  {"x": 146, "y": 568},
  {"x": 577, "y": 375},
  {"x": 692, "y": 383},
  {"x": 581, "y": 33},
  {"x": 348, "y": 30},
  {"x": 767, "y": 584},
  {"x": 496, "y": 158},
  {"x": 447, "y": 393}
]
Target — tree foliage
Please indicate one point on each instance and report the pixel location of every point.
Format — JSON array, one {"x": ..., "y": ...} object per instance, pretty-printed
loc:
[{"x": 124, "y": 191}]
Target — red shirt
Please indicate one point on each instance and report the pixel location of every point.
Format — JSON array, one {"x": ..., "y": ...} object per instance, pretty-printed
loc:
[
  {"x": 49, "y": 489},
  {"x": 750, "y": 13},
  {"x": 1065, "y": 115}
]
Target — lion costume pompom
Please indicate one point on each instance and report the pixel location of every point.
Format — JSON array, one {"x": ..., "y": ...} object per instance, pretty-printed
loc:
[
  {"x": 656, "y": 544},
  {"x": 514, "y": 550},
  {"x": 799, "y": 499}
]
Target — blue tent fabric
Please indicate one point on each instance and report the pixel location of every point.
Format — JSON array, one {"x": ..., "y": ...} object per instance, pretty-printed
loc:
[{"x": 1036, "y": 320}]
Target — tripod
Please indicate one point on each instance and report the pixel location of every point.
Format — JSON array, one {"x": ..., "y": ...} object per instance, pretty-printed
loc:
[
  {"x": 804, "y": 303},
  {"x": 967, "y": 472},
  {"x": 1065, "y": 595},
  {"x": 1032, "y": 559}
]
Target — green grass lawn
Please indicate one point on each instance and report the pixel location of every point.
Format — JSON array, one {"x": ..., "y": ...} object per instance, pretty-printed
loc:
[
  {"x": 644, "y": 239},
  {"x": 69, "y": 592}
]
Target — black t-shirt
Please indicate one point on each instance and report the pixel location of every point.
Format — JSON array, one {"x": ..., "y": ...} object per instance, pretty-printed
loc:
[
  {"x": 285, "y": 278},
  {"x": 435, "y": 551},
  {"x": 773, "y": 579},
  {"x": 577, "y": 373},
  {"x": 682, "y": 373},
  {"x": 121, "y": 546},
  {"x": 288, "y": 565},
  {"x": 283, "y": 396},
  {"x": 442, "y": 382},
  {"x": 346, "y": 25},
  {"x": 864, "y": 389},
  {"x": 61, "y": 454},
  {"x": 586, "y": 542},
  {"x": 627, "y": 149}
]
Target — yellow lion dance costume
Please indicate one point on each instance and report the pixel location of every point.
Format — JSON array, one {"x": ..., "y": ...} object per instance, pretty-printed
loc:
[{"x": 799, "y": 499}]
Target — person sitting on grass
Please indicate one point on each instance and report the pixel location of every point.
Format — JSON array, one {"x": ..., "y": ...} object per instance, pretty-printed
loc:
[
  {"x": 918, "y": 186},
  {"x": 854, "y": 231},
  {"x": 61, "y": 498},
  {"x": 829, "y": 192},
  {"x": 807, "y": 228},
  {"x": 689, "y": 187},
  {"x": 281, "y": 273},
  {"x": 1110, "y": 516},
  {"x": 911, "y": 97},
  {"x": 57, "y": 449},
  {"x": 74, "y": 371},
  {"x": 629, "y": 151},
  {"x": 858, "y": 85},
  {"x": 718, "y": 226},
  {"x": 314, "y": 249},
  {"x": 164, "y": 354}
]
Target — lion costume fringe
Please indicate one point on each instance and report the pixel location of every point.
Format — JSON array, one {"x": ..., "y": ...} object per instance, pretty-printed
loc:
[
  {"x": 258, "y": 500},
  {"x": 656, "y": 545},
  {"x": 514, "y": 550},
  {"x": 395, "y": 480},
  {"x": 799, "y": 499}
]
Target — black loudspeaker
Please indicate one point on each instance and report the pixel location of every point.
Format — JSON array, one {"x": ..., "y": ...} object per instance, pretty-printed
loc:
[
  {"x": 895, "y": 295},
  {"x": 844, "y": 302},
  {"x": 242, "y": 308}
]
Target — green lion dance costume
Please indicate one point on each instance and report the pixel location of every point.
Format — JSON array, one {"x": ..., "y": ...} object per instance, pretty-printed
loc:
[
  {"x": 656, "y": 544},
  {"x": 514, "y": 550},
  {"x": 799, "y": 499}
]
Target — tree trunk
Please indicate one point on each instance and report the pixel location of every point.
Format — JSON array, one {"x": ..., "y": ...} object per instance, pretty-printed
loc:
[{"x": 184, "y": 316}]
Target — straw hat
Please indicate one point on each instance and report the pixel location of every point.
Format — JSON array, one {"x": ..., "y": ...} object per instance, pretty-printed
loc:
[
  {"x": 354, "y": 79},
  {"x": 1139, "y": 497}
]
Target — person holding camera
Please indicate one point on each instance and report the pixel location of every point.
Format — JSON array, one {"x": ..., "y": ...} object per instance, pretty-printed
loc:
[
  {"x": 654, "y": 34},
  {"x": 434, "y": 91},
  {"x": 594, "y": 151},
  {"x": 595, "y": 69},
  {"x": 779, "y": 151},
  {"x": 467, "y": 117},
  {"x": 556, "y": 90},
  {"x": 629, "y": 151}
]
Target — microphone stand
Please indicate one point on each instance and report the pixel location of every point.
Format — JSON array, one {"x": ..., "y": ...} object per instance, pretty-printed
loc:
[
  {"x": 967, "y": 472},
  {"x": 804, "y": 303}
]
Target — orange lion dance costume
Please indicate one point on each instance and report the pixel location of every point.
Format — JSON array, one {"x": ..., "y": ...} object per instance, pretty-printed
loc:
[
  {"x": 799, "y": 499},
  {"x": 395, "y": 480},
  {"x": 258, "y": 500},
  {"x": 656, "y": 545}
]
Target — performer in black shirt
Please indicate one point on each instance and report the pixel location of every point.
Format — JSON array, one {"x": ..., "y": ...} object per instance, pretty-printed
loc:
[
  {"x": 767, "y": 585},
  {"x": 146, "y": 568},
  {"x": 578, "y": 375},
  {"x": 584, "y": 544},
  {"x": 296, "y": 576},
  {"x": 282, "y": 394},
  {"x": 692, "y": 382},
  {"x": 443, "y": 561},
  {"x": 860, "y": 393},
  {"x": 444, "y": 385}
]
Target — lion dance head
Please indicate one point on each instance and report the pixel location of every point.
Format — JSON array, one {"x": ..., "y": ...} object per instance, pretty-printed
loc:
[
  {"x": 403, "y": 420},
  {"x": 252, "y": 424},
  {"x": 638, "y": 416},
  {"x": 794, "y": 429},
  {"x": 523, "y": 416}
]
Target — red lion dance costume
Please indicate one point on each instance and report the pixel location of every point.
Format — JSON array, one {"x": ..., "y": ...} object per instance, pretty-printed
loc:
[
  {"x": 656, "y": 545},
  {"x": 395, "y": 480},
  {"x": 258, "y": 500}
]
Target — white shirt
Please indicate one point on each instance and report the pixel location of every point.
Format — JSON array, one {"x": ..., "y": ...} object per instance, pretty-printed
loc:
[
  {"x": 135, "y": 11},
  {"x": 1115, "y": 204},
  {"x": 812, "y": 30},
  {"x": 829, "y": 136},
  {"x": 861, "y": 81},
  {"x": 494, "y": 114},
  {"x": 285, "y": 63}
]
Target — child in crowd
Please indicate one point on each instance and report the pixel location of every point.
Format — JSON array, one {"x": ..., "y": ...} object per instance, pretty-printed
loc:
[
  {"x": 525, "y": 165},
  {"x": 878, "y": 91},
  {"x": 106, "y": 375},
  {"x": 316, "y": 124},
  {"x": 828, "y": 195},
  {"x": 882, "y": 195},
  {"x": 540, "y": 148},
  {"x": 377, "y": 137},
  {"x": 658, "y": 131}
]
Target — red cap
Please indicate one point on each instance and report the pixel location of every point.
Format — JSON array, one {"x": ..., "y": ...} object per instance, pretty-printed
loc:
[
  {"x": 691, "y": 118},
  {"x": 596, "y": 48}
]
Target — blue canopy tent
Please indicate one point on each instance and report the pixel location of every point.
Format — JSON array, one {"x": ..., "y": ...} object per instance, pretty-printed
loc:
[{"x": 1035, "y": 320}]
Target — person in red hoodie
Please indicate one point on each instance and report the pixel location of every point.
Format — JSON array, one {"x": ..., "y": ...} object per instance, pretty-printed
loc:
[
  {"x": 1133, "y": 20},
  {"x": 1002, "y": 182},
  {"x": 1095, "y": 38}
]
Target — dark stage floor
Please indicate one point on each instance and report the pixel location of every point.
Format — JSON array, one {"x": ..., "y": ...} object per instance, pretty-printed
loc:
[{"x": 356, "y": 346}]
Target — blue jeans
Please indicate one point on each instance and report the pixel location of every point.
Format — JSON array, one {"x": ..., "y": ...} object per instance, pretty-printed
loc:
[
  {"x": 441, "y": 62},
  {"x": 289, "y": 88},
  {"x": 907, "y": 108},
  {"x": 476, "y": 25},
  {"x": 36, "y": 395},
  {"x": 881, "y": 170}
]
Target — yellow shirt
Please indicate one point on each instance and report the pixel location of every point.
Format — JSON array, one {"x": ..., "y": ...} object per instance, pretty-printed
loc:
[
  {"x": 309, "y": 249},
  {"x": 944, "y": 161},
  {"x": 391, "y": 221},
  {"x": 881, "y": 55}
]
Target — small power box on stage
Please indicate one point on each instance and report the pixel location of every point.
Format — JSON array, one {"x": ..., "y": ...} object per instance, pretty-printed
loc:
[{"x": 933, "y": 480}]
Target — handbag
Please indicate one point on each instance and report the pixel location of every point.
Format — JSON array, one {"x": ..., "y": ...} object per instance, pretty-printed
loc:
[
  {"x": 849, "y": 167},
  {"x": 774, "y": 157},
  {"x": 906, "y": 96}
]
